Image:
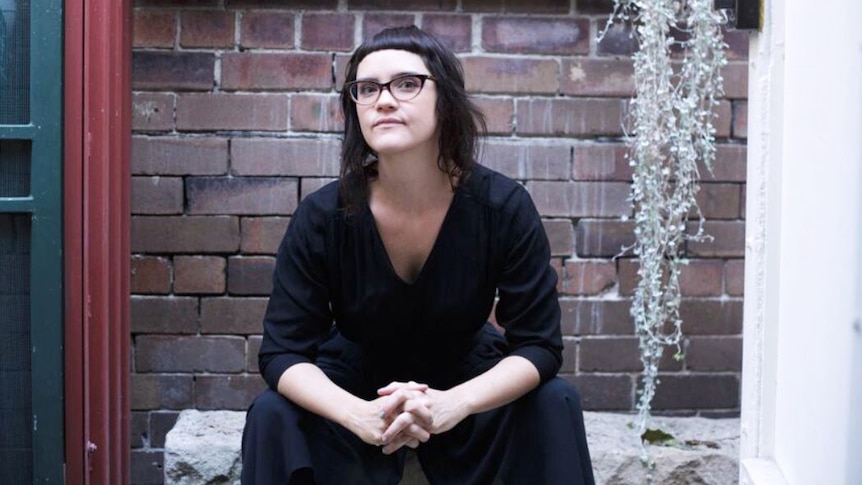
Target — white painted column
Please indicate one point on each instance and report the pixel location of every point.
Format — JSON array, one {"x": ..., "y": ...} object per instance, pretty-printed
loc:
[{"x": 803, "y": 247}]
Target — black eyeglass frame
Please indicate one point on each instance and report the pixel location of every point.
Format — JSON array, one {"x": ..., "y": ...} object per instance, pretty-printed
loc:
[{"x": 352, "y": 85}]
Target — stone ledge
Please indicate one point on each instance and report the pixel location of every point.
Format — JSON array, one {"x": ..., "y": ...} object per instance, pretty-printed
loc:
[{"x": 204, "y": 448}]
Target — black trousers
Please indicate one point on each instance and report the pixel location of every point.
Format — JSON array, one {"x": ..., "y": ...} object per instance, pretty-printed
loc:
[{"x": 538, "y": 439}]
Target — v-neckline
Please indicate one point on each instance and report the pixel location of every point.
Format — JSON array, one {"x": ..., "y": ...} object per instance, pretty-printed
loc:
[{"x": 378, "y": 239}]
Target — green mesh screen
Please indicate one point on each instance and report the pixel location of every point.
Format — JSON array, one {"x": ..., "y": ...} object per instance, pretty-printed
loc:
[
  {"x": 14, "y": 62},
  {"x": 16, "y": 460},
  {"x": 14, "y": 168}
]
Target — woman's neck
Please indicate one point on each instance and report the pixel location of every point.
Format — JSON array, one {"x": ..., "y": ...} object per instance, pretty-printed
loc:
[{"x": 411, "y": 183}]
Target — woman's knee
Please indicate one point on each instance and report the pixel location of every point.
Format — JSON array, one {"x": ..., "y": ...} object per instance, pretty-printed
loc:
[
  {"x": 555, "y": 391},
  {"x": 269, "y": 408}
]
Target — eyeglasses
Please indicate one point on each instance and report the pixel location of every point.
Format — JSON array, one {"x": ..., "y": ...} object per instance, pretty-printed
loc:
[{"x": 402, "y": 88}]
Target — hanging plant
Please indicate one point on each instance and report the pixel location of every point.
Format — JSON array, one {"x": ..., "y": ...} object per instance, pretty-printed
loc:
[{"x": 677, "y": 86}]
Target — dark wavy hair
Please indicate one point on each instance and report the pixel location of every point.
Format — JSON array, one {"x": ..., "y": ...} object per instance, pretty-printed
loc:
[{"x": 459, "y": 121}]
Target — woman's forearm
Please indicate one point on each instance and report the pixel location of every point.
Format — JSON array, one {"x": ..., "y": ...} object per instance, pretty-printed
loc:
[
  {"x": 508, "y": 380},
  {"x": 307, "y": 386}
]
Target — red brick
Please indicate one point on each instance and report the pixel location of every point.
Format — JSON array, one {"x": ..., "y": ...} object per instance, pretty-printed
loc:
[
  {"x": 454, "y": 31},
  {"x": 617, "y": 39},
  {"x": 602, "y": 238},
  {"x": 241, "y": 195},
  {"x": 601, "y": 161},
  {"x": 570, "y": 355},
  {"x": 570, "y": 117},
  {"x": 582, "y": 316},
  {"x": 283, "y": 4},
  {"x": 728, "y": 240},
  {"x": 207, "y": 28},
  {"x": 292, "y": 71},
  {"x": 740, "y": 119},
  {"x": 729, "y": 164},
  {"x": 197, "y": 235},
  {"x": 327, "y": 31},
  {"x": 534, "y": 6},
  {"x": 179, "y": 156},
  {"x": 250, "y": 275},
  {"x": 718, "y": 201},
  {"x": 557, "y": 265},
  {"x": 153, "y": 28},
  {"x": 536, "y": 35},
  {"x": 153, "y": 70},
  {"x": 429, "y": 5},
  {"x": 161, "y": 391},
  {"x": 157, "y": 195},
  {"x": 372, "y": 23},
  {"x": 609, "y": 354},
  {"x": 737, "y": 44},
  {"x": 150, "y": 275},
  {"x": 588, "y": 277},
  {"x": 199, "y": 275},
  {"x": 604, "y": 392},
  {"x": 561, "y": 236},
  {"x": 734, "y": 277},
  {"x": 232, "y": 315},
  {"x": 511, "y": 75},
  {"x": 340, "y": 67},
  {"x": 227, "y": 392},
  {"x": 581, "y": 199},
  {"x": 701, "y": 278},
  {"x": 697, "y": 392},
  {"x": 267, "y": 30},
  {"x": 156, "y": 314},
  {"x": 158, "y": 353},
  {"x": 173, "y": 3},
  {"x": 316, "y": 112},
  {"x": 627, "y": 271},
  {"x": 252, "y": 350},
  {"x": 711, "y": 316},
  {"x": 735, "y": 76},
  {"x": 527, "y": 160},
  {"x": 311, "y": 185},
  {"x": 262, "y": 235},
  {"x": 598, "y": 77},
  {"x": 205, "y": 112},
  {"x": 724, "y": 119},
  {"x": 286, "y": 157},
  {"x": 153, "y": 111},
  {"x": 499, "y": 114},
  {"x": 714, "y": 354}
]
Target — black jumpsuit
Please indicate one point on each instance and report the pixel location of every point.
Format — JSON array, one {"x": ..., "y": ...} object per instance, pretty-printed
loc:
[{"x": 332, "y": 267}]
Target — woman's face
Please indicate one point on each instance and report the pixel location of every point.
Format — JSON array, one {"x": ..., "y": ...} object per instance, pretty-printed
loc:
[{"x": 391, "y": 126}]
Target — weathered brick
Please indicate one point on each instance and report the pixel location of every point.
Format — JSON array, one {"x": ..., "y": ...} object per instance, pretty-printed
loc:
[
  {"x": 511, "y": 75},
  {"x": 580, "y": 199},
  {"x": 316, "y": 112},
  {"x": 153, "y": 111},
  {"x": 595, "y": 317},
  {"x": 711, "y": 317},
  {"x": 561, "y": 236},
  {"x": 262, "y": 235},
  {"x": 454, "y": 31},
  {"x": 205, "y": 112},
  {"x": 728, "y": 240},
  {"x": 283, "y": 4},
  {"x": 160, "y": 424},
  {"x": 139, "y": 429},
  {"x": 588, "y": 277},
  {"x": 729, "y": 165},
  {"x": 570, "y": 355},
  {"x": 250, "y": 275},
  {"x": 598, "y": 77},
  {"x": 234, "y": 392},
  {"x": 341, "y": 67},
  {"x": 147, "y": 466},
  {"x": 701, "y": 278},
  {"x": 601, "y": 161},
  {"x": 293, "y": 157},
  {"x": 173, "y": 3},
  {"x": 606, "y": 392},
  {"x": 156, "y": 234},
  {"x": 734, "y": 277},
  {"x": 150, "y": 275},
  {"x": 252, "y": 349},
  {"x": 627, "y": 271},
  {"x": 310, "y": 185},
  {"x": 327, "y": 31},
  {"x": 618, "y": 39},
  {"x": 499, "y": 114},
  {"x": 535, "y": 6},
  {"x": 156, "y": 314},
  {"x": 714, "y": 354},
  {"x": 528, "y": 160},
  {"x": 737, "y": 44},
  {"x": 740, "y": 119},
  {"x": 696, "y": 392},
  {"x": 199, "y": 275},
  {"x": 153, "y": 28},
  {"x": 429, "y": 5},
  {"x": 372, "y": 23},
  {"x": 718, "y": 201},
  {"x": 182, "y": 71},
  {"x": 579, "y": 117},
  {"x": 557, "y": 265},
  {"x": 179, "y": 156},
  {"x": 609, "y": 354},
  {"x": 536, "y": 35},
  {"x": 603, "y": 238},
  {"x": 241, "y": 195},
  {"x": 157, "y": 195},
  {"x": 292, "y": 71},
  {"x": 724, "y": 119},
  {"x": 161, "y": 353},
  {"x": 232, "y": 315},
  {"x": 267, "y": 30},
  {"x": 735, "y": 76},
  {"x": 154, "y": 391},
  {"x": 207, "y": 28}
]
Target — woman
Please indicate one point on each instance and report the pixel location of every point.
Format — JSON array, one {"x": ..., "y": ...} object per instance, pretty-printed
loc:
[{"x": 406, "y": 254}]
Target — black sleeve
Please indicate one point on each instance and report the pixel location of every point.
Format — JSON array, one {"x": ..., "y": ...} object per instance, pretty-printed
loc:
[
  {"x": 527, "y": 287},
  {"x": 298, "y": 314}
]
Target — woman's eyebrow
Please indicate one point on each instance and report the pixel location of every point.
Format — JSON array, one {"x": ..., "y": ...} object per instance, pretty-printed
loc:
[{"x": 396, "y": 75}]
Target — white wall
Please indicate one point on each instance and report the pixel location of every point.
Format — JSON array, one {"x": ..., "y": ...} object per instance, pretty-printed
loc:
[{"x": 803, "y": 246}]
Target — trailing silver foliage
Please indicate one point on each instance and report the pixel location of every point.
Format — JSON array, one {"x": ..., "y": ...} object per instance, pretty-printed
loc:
[{"x": 678, "y": 83}]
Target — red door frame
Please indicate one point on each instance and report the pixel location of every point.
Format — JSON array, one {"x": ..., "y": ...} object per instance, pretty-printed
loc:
[{"x": 97, "y": 137}]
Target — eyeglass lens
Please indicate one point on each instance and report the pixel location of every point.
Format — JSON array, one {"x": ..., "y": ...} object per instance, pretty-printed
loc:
[{"x": 402, "y": 88}]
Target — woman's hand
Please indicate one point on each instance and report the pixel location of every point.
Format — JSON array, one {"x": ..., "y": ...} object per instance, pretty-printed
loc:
[
  {"x": 370, "y": 419},
  {"x": 423, "y": 414}
]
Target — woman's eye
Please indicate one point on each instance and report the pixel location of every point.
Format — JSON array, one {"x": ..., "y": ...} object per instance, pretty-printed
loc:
[
  {"x": 366, "y": 89},
  {"x": 407, "y": 83}
]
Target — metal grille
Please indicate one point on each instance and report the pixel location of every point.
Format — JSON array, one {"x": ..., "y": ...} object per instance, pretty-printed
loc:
[
  {"x": 16, "y": 442},
  {"x": 14, "y": 62},
  {"x": 14, "y": 168}
]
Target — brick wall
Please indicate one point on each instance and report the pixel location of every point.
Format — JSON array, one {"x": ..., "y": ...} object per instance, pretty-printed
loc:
[{"x": 236, "y": 119}]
